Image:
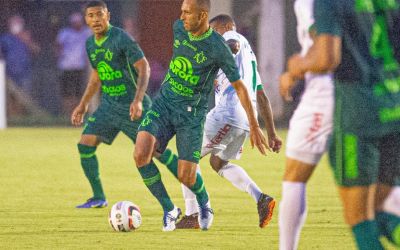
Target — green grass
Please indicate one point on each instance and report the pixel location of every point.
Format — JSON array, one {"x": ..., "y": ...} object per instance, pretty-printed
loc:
[{"x": 41, "y": 181}]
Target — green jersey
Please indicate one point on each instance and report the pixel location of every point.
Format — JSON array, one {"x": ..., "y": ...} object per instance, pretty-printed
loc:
[
  {"x": 113, "y": 57},
  {"x": 194, "y": 66},
  {"x": 367, "y": 81}
]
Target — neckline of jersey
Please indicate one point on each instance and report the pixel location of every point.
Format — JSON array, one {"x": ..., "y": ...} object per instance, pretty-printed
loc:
[
  {"x": 104, "y": 38},
  {"x": 201, "y": 37}
]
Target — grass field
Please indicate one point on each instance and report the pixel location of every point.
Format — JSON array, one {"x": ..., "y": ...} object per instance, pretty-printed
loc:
[{"x": 41, "y": 182}]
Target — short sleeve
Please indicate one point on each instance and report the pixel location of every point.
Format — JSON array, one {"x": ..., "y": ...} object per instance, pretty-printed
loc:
[
  {"x": 227, "y": 64},
  {"x": 131, "y": 48},
  {"x": 327, "y": 20},
  {"x": 88, "y": 52}
]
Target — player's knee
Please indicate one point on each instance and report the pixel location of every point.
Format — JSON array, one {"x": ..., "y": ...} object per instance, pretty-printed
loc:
[
  {"x": 187, "y": 180},
  {"x": 217, "y": 163},
  {"x": 141, "y": 157}
]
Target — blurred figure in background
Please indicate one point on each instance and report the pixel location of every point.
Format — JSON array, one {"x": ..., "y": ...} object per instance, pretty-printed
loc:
[
  {"x": 72, "y": 61},
  {"x": 18, "y": 49}
]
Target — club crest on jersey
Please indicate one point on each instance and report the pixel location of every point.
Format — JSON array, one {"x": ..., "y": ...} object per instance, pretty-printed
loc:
[
  {"x": 183, "y": 68},
  {"x": 200, "y": 57},
  {"x": 108, "y": 55},
  {"x": 177, "y": 44}
]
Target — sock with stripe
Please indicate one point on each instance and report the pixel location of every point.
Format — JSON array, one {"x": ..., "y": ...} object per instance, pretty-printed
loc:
[
  {"x": 170, "y": 160},
  {"x": 389, "y": 226},
  {"x": 90, "y": 167},
  {"x": 367, "y": 236},
  {"x": 152, "y": 179}
]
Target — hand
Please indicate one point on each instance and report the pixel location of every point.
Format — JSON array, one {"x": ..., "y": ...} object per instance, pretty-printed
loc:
[
  {"x": 257, "y": 138},
  {"x": 286, "y": 83},
  {"x": 275, "y": 143},
  {"x": 78, "y": 114},
  {"x": 294, "y": 66},
  {"x": 135, "y": 110}
]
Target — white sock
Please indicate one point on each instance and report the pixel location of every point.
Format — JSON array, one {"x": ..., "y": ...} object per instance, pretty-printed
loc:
[
  {"x": 191, "y": 205},
  {"x": 292, "y": 214},
  {"x": 392, "y": 202},
  {"x": 240, "y": 179}
]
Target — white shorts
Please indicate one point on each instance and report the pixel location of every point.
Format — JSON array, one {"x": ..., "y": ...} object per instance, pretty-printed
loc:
[
  {"x": 223, "y": 140},
  {"x": 311, "y": 124}
]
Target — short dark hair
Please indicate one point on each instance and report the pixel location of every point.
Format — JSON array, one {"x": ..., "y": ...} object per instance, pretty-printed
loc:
[
  {"x": 95, "y": 3},
  {"x": 204, "y": 4},
  {"x": 223, "y": 19}
]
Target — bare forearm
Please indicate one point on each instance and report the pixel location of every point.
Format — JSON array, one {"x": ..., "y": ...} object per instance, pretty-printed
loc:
[
  {"x": 266, "y": 112},
  {"x": 92, "y": 88},
  {"x": 143, "y": 69}
]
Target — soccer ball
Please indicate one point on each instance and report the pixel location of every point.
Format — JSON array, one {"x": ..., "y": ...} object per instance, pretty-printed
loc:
[{"x": 125, "y": 216}]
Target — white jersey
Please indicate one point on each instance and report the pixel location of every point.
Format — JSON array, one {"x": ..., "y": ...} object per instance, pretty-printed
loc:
[{"x": 227, "y": 104}]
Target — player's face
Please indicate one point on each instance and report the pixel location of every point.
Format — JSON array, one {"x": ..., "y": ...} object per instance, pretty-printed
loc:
[
  {"x": 97, "y": 18},
  {"x": 191, "y": 16}
]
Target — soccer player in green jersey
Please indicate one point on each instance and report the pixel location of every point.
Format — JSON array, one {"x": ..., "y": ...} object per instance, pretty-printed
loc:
[
  {"x": 180, "y": 108},
  {"x": 121, "y": 73},
  {"x": 355, "y": 41}
]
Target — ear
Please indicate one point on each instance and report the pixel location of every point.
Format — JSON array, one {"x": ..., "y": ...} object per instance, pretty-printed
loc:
[{"x": 204, "y": 15}]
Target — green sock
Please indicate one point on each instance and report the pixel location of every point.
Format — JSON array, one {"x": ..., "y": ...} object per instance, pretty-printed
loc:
[
  {"x": 171, "y": 161},
  {"x": 90, "y": 166},
  {"x": 389, "y": 226},
  {"x": 152, "y": 179},
  {"x": 367, "y": 236}
]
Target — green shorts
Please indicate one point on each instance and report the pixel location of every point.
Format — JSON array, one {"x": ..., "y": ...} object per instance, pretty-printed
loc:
[
  {"x": 359, "y": 161},
  {"x": 106, "y": 123},
  {"x": 164, "y": 121}
]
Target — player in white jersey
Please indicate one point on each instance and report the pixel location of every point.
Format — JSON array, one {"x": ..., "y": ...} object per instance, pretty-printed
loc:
[
  {"x": 227, "y": 127},
  {"x": 309, "y": 130}
]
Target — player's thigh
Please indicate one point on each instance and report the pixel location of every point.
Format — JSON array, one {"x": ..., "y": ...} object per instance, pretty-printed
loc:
[
  {"x": 297, "y": 171},
  {"x": 189, "y": 137},
  {"x": 131, "y": 128},
  {"x": 355, "y": 160},
  {"x": 309, "y": 131},
  {"x": 156, "y": 122},
  {"x": 234, "y": 144},
  {"x": 101, "y": 124}
]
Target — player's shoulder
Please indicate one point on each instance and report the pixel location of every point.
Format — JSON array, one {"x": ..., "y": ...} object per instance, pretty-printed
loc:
[{"x": 178, "y": 26}]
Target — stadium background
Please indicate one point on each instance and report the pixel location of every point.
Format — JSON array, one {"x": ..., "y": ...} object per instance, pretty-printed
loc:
[{"x": 268, "y": 24}]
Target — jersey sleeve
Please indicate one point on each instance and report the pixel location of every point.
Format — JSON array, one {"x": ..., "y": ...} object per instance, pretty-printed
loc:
[
  {"x": 326, "y": 18},
  {"x": 88, "y": 53},
  {"x": 227, "y": 63},
  {"x": 131, "y": 48}
]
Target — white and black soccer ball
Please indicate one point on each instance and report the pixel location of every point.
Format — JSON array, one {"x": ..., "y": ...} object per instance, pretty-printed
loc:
[{"x": 125, "y": 216}]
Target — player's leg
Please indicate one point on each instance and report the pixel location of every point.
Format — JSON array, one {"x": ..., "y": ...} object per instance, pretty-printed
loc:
[
  {"x": 97, "y": 129},
  {"x": 144, "y": 149},
  {"x": 308, "y": 134},
  {"x": 388, "y": 222},
  {"x": 392, "y": 202},
  {"x": 293, "y": 205},
  {"x": 189, "y": 152},
  {"x": 355, "y": 162}
]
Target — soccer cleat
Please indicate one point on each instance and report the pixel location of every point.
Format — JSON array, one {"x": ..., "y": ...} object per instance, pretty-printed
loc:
[
  {"x": 93, "y": 203},
  {"x": 170, "y": 218},
  {"x": 189, "y": 222},
  {"x": 206, "y": 216},
  {"x": 265, "y": 207}
]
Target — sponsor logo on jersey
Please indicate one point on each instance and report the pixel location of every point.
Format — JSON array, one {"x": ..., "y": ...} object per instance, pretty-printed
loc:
[
  {"x": 183, "y": 68},
  {"x": 117, "y": 90},
  {"x": 177, "y": 44},
  {"x": 107, "y": 73}
]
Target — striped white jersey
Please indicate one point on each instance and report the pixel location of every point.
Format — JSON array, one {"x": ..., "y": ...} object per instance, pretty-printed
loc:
[{"x": 227, "y": 105}]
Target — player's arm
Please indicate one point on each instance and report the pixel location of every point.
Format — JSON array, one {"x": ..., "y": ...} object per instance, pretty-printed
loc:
[
  {"x": 264, "y": 107},
  {"x": 256, "y": 135},
  {"x": 324, "y": 56},
  {"x": 143, "y": 69},
  {"x": 92, "y": 88}
]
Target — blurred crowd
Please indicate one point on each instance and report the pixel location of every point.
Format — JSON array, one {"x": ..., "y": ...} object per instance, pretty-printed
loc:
[{"x": 20, "y": 49}]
